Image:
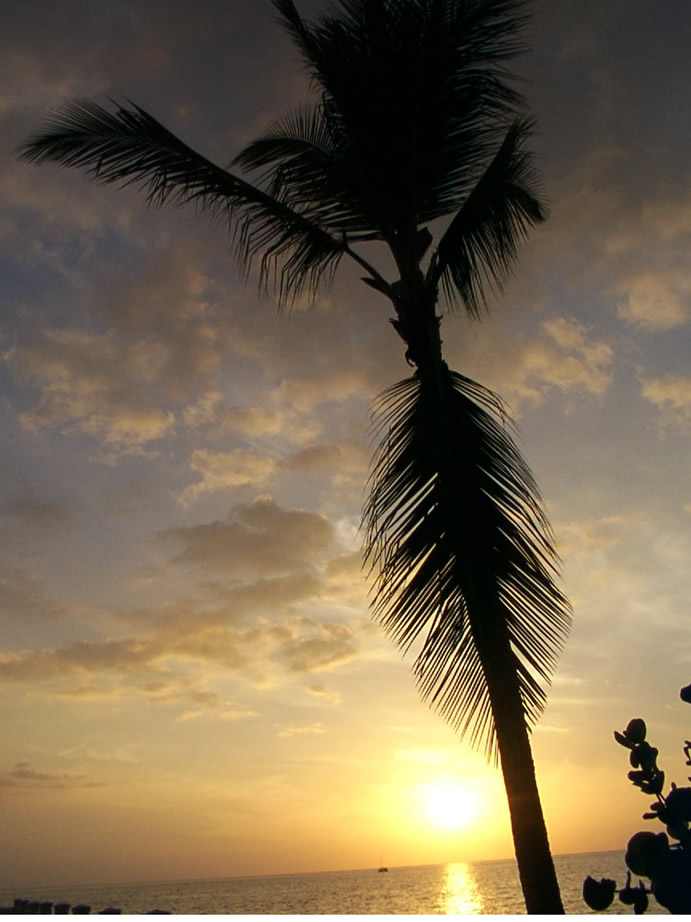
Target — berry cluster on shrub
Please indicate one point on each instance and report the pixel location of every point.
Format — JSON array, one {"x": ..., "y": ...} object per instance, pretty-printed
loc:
[{"x": 664, "y": 858}]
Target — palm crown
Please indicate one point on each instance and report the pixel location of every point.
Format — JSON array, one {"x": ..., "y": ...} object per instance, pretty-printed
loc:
[{"x": 414, "y": 120}]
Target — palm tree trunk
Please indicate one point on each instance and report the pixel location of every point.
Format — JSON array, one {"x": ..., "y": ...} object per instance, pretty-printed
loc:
[
  {"x": 501, "y": 670},
  {"x": 419, "y": 326},
  {"x": 535, "y": 865},
  {"x": 533, "y": 856}
]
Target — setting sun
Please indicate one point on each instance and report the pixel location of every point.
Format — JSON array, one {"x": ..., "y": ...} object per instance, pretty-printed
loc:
[{"x": 446, "y": 804}]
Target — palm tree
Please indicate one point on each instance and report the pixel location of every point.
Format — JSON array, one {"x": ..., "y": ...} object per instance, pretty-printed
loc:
[{"x": 414, "y": 130}]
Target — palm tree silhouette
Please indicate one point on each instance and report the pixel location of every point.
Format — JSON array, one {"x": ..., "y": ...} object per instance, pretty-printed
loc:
[{"x": 414, "y": 120}]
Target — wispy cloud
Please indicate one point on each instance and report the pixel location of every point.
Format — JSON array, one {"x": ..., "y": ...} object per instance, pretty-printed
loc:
[
  {"x": 24, "y": 595},
  {"x": 321, "y": 691},
  {"x": 562, "y": 357},
  {"x": 24, "y": 775},
  {"x": 315, "y": 729},
  {"x": 226, "y": 470},
  {"x": 671, "y": 395},
  {"x": 32, "y": 508},
  {"x": 125, "y": 386},
  {"x": 240, "y": 467},
  {"x": 330, "y": 645},
  {"x": 89, "y": 383},
  {"x": 209, "y": 704}
]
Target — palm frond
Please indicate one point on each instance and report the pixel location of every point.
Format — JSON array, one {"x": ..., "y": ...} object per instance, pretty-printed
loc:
[
  {"x": 480, "y": 244},
  {"x": 461, "y": 549},
  {"x": 419, "y": 92},
  {"x": 301, "y": 156},
  {"x": 130, "y": 146},
  {"x": 290, "y": 136}
]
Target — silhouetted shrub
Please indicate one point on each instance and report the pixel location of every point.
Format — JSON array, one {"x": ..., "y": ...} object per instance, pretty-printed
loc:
[{"x": 664, "y": 857}]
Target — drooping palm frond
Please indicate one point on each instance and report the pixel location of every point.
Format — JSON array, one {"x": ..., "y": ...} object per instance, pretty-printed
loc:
[
  {"x": 418, "y": 92},
  {"x": 461, "y": 549},
  {"x": 481, "y": 242},
  {"x": 130, "y": 146}
]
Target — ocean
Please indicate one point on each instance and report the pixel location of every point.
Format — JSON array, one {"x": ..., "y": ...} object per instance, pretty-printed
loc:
[{"x": 472, "y": 888}]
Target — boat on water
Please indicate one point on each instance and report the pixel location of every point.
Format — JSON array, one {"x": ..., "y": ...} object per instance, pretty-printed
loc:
[{"x": 379, "y": 870}]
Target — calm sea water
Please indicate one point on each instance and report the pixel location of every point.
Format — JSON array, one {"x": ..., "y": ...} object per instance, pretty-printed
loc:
[{"x": 477, "y": 888}]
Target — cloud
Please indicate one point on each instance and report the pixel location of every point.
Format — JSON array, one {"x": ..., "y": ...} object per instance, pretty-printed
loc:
[
  {"x": 99, "y": 749},
  {"x": 671, "y": 395},
  {"x": 267, "y": 563},
  {"x": 32, "y": 509},
  {"x": 315, "y": 729},
  {"x": 563, "y": 356},
  {"x": 91, "y": 692},
  {"x": 208, "y": 703},
  {"x": 323, "y": 385},
  {"x": 321, "y": 691},
  {"x": 655, "y": 302},
  {"x": 566, "y": 358},
  {"x": 168, "y": 324},
  {"x": 23, "y": 595},
  {"x": 256, "y": 538},
  {"x": 590, "y": 537},
  {"x": 126, "y": 386},
  {"x": 266, "y": 593},
  {"x": 155, "y": 662},
  {"x": 223, "y": 470},
  {"x": 24, "y": 775},
  {"x": 346, "y": 454},
  {"x": 345, "y": 568},
  {"x": 126, "y": 656},
  {"x": 92, "y": 384},
  {"x": 228, "y": 470},
  {"x": 346, "y": 580},
  {"x": 631, "y": 247},
  {"x": 549, "y": 728},
  {"x": 251, "y": 422},
  {"x": 340, "y": 351},
  {"x": 171, "y": 691},
  {"x": 330, "y": 645}
]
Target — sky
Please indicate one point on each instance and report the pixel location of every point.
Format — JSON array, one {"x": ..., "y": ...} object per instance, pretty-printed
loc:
[{"x": 192, "y": 685}]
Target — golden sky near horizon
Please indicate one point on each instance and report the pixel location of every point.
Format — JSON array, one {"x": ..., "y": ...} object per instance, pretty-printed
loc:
[{"x": 191, "y": 682}]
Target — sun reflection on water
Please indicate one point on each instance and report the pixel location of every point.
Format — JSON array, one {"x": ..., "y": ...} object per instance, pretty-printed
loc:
[{"x": 460, "y": 895}]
